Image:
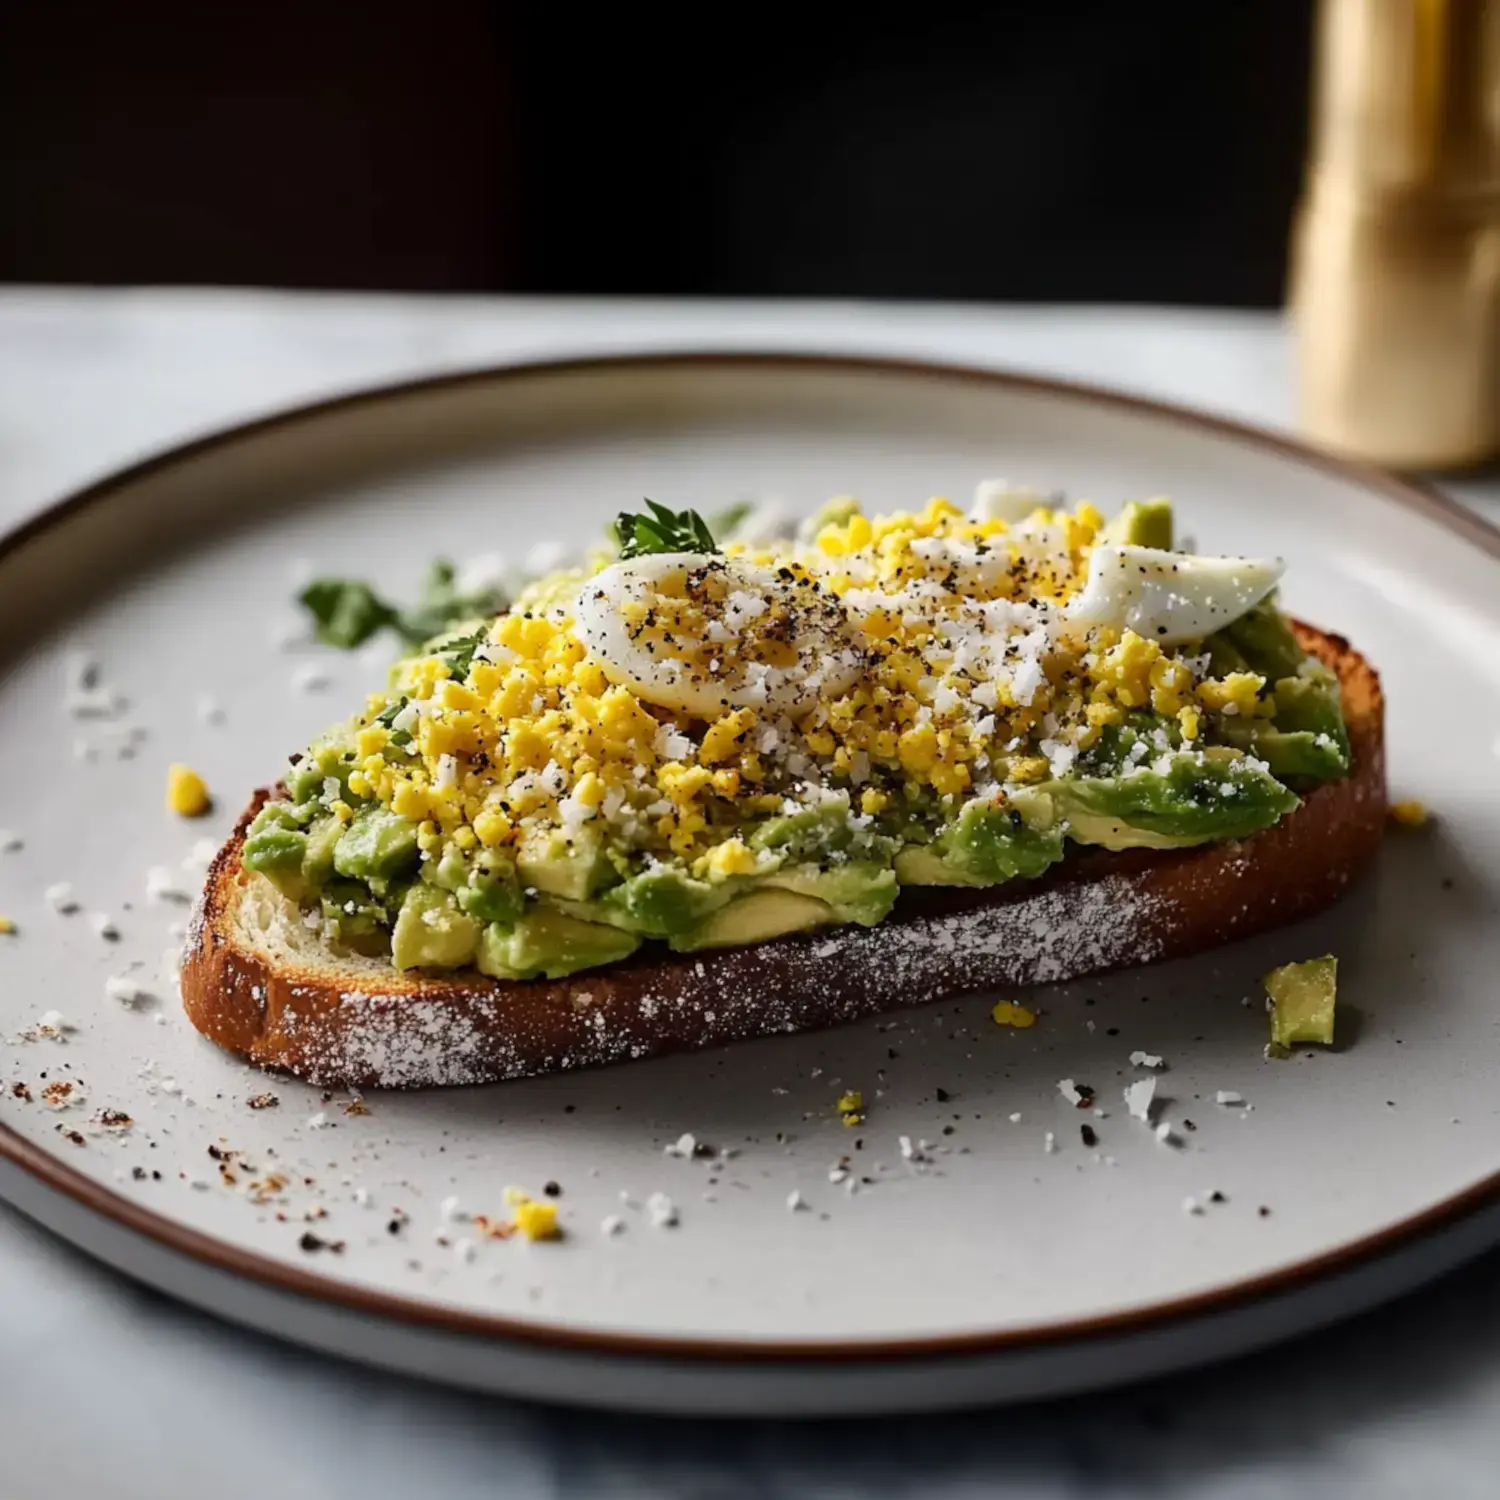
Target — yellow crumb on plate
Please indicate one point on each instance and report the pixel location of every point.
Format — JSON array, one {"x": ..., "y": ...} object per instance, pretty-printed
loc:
[
  {"x": 851, "y": 1107},
  {"x": 6, "y": 925},
  {"x": 187, "y": 792},
  {"x": 1008, "y": 1013},
  {"x": 537, "y": 1221},
  {"x": 1410, "y": 814}
]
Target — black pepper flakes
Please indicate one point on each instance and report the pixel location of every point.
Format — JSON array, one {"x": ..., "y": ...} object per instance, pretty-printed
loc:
[
  {"x": 1089, "y": 1134},
  {"x": 552, "y": 1189},
  {"x": 312, "y": 1243}
]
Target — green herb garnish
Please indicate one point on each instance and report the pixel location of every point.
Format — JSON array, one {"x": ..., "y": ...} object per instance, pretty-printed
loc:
[
  {"x": 459, "y": 654},
  {"x": 348, "y": 611},
  {"x": 662, "y": 530}
]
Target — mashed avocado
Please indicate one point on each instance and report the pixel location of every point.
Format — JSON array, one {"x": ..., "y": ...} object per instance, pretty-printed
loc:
[{"x": 531, "y": 799}]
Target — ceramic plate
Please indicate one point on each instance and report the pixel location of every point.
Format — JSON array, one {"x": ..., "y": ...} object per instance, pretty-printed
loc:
[{"x": 968, "y": 1242}]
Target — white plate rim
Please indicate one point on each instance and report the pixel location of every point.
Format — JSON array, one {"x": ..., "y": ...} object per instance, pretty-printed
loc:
[{"x": 1159, "y": 1317}]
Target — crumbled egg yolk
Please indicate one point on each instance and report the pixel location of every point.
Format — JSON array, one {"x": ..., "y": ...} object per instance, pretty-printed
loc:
[
  {"x": 187, "y": 792},
  {"x": 1409, "y": 814},
  {"x": 968, "y": 686},
  {"x": 851, "y": 1107},
  {"x": 531, "y": 1218},
  {"x": 6, "y": 925},
  {"x": 1008, "y": 1013}
]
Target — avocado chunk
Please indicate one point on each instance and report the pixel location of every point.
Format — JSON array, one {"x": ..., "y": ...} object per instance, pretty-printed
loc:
[
  {"x": 330, "y": 757},
  {"x": 1261, "y": 641},
  {"x": 1142, "y": 523},
  {"x": 317, "y": 861},
  {"x": 1300, "y": 756},
  {"x": 550, "y": 944},
  {"x": 755, "y": 917},
  {"x": 1310, "y": 702},
  {"x": 562, "y": 864},
  {"x": 856, "y": 891},
  {"x": 995, "y": 842},
  {"x": 490, "y": 897},
  {"x": 1301, "y": 1002},
  {"x": 275, "y": 850},
  {"x": 431, "y": 932},
  {"x": 923, "y": 864},
  {"x": 1195, "y": 799},
  {"x": 815, "y": 833},
  {"x": 662, "y": 902},
  {"x": 358, "y": 920},
  {"x": 834, "y": 512},
  {"x": 376, "y": 845},
  {"x": 987, "y": 844}
]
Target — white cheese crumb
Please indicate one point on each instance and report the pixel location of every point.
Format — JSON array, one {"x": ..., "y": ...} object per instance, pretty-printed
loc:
[
  {"x": 1167, "y": 1136},
  {"x": 544, "y": 557},
  {"x": 318, "y": 1121},
  {"x": 170, "y": 1086},
  {"x": 1193, "y": 1204},
  {"x": 310, "y": 678},
  {"x": 466, "y": 1248},
  {"x": 1069, "y": 1090},
  {"x": 684, "y": 1145},
  {"x": 1228, "y": 1097},
  {"x": 197, "y": 860},
  {"x": 1146, "y": 1060},
  {"x": 662, "y": 1210},
  {"x": 103, "y": 926},
  {"x": 125, "y": 991},
  {"x": 484, "y": 573},
  {"x": 449, "y": 1210},
  {"x": 794, "y": 1200},
  {"x": 163, "y": 885},
  {"x": 907, "y": 1149},
  {"x": 1049, "y": 1143},
  {"x": 362, "y": 1196},
  {"x": 611, "y": 1224},
  {"x": 60, "y": 897},
  {"x": 1015, "y": 1119},
  {"x": 55, "y": 1022},
  {"x": 1139, "y": 1098}
]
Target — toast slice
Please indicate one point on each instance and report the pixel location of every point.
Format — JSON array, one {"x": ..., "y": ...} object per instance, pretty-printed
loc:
[{"x": 258, "y": 982}]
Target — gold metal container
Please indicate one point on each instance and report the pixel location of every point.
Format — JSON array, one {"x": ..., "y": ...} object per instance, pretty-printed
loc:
[{"x": 1395, "y": 287}]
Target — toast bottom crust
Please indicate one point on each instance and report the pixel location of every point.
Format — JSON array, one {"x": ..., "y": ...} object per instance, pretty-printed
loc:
[{"x": 368, "y": 1026}]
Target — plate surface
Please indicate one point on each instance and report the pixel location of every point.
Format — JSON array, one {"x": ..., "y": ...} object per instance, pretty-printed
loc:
[{"x": 984, "y": 1264}]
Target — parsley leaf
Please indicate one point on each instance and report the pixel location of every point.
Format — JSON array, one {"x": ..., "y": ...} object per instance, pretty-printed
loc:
[
  {"x": 662, "y": 530},
  {"x": 348, "y": 611},
  {"x": 459, "y": 653},
  {"x": 387, "y": 717}
]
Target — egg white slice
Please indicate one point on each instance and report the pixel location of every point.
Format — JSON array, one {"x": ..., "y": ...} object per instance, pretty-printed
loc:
[
  {"x": 1000, "y": 500},
  {"x": 741, "y": 612},
  {"x": 1169, "y": 597}
]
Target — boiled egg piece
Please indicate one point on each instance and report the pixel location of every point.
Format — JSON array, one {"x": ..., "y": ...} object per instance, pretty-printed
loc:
[
  {"x": 702, "y": 634},
  {"x": 1000, "y": 500},
  {"x": 1169, "y": 597}
]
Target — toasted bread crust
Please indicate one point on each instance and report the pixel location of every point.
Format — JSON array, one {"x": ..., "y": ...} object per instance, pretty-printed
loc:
[{"x": 1097, "y": 911}]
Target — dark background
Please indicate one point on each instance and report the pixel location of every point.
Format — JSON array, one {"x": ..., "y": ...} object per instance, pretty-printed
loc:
[{"x": 1067, "y": 151}]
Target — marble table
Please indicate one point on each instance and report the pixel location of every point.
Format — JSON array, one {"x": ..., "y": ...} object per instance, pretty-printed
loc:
[{"x": 108, "y": 1390}]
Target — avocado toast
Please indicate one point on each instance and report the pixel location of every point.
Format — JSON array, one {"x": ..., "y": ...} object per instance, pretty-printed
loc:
[{"x": 687, "y": 795}]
